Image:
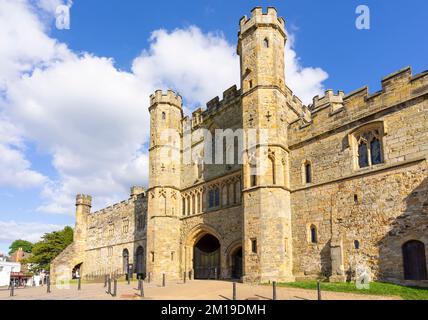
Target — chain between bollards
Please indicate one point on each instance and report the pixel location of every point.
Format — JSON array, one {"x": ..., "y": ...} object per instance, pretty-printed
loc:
[
  {"x": 319, "y": 290},
  {"x": 234, "y": 291}
]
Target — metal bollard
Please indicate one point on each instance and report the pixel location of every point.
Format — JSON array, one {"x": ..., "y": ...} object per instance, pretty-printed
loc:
[
  {"x": 142, "y": 289},
  {"x": 163, "y": 280},
  {"x": 12, "y": 289},
  {"x": 234, "y": 291},
  {"x": 184, "y": 277},
  {"x": 190, "y": 275},
  {"x": 274, "y": 291},
  {"x": 148, "y": 277},
  {"x": 215, "y": 273},
  {"x": 109, "y": 286},
  {"x": 105, "y": 281},
  {"x": 319, "y": 290},
  {"x": 48, "y": 283},
  {"x": 79, "y": 284},
  {"x": 129, "y": 278},
  {"x": 114, "y": 288}
]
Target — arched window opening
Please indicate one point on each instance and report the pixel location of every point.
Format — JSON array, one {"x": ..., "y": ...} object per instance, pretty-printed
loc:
[
  {"x": 184, "y": 207},
  {"x": 307, "y": 172},
  {"x": 125, "y": 257},
  {"x": 314, "y": 235},
  {"x": 213, "y": 146},
  {"x": 193, "y": 204},
  {"x": 214, "y": 198},
  {"x": 236, "y": 150},
  {"x": 369, "y": 146},
  {"x": 266, "y": 43},
  {"x": 357, "y": 244},
  {"x": 375, "y": 151},
  {"x": 363, "y": 157},
  {"x": 163, "y": 115},
  {"x": 272, "y": 170}
]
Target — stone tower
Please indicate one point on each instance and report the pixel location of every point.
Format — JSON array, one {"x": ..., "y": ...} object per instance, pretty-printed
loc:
[
  {"x": 163, "y": 225},
  {"x": 267, "y": 213},
  {"x": 83, "y": 209}
]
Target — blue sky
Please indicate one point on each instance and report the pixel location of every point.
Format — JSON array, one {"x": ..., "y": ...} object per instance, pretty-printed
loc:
[{"x": 73, "y": 103}]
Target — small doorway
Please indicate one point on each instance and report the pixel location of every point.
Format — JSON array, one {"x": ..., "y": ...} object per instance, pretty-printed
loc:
[
  {"x": 125, "y": 257},
  {"x": 140, "y": 262},
  {"x": 237, "y": 264},
  {"x": 414, "y": 261},
  {"x": 76, "y": 273},
  {"x": 206, "y": 258}
]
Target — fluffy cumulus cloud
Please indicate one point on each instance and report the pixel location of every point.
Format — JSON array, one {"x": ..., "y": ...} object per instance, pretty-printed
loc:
[
  {"x": 11, "y": 230},
  {"x": 91, "y": 117},
  {"x": 199, "y": 66},
  {"x": 306, "y": 82}
]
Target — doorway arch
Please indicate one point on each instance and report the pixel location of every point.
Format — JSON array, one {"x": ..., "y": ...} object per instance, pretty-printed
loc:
[
  {"x": 77, "y": 271},
  {"x": 414, "y": 260},
  {"x": 206, "y": 257},
  {"x": 139, "y": 268},
  {"x": 125, "y": 258},
  {"x": 236, "y": 263}
]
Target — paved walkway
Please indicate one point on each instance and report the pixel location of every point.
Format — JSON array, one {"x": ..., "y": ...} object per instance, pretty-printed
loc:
[{"x": 193, "y": 290}]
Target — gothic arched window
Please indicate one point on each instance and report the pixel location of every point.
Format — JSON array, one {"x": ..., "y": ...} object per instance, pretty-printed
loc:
[{"x": 369, "y": 146}]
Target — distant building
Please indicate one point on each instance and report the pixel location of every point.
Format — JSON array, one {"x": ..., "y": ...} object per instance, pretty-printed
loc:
[{"x": 6, "y": 269}]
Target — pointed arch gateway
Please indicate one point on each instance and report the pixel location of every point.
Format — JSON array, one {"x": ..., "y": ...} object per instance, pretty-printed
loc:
[{"x": 203, "y": 253}]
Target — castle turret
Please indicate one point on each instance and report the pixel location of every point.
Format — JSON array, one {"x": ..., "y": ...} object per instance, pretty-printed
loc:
[
  {"x": 83, "y": 209},
  {"x": 163, "y": 227},
  {"x": 267, "y": 213}
]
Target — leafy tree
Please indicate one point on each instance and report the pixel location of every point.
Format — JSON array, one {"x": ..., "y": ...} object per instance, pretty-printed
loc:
[
  {"x": 26, "y": 246},
  {"x": 51, "y": 245}
]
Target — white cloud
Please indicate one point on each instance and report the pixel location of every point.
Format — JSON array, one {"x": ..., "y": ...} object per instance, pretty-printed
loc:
[
  {"x": 200, "y": 66},
  {"x": 93, "y": 118},
  {"x": 32, "y": 231},
  {"x": 306, "y": 82}
]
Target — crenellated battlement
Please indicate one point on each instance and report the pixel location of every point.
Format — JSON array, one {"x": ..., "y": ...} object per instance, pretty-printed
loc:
[
  {"x": 331, "y": 100},
  {"x": 84, "y": 200},
  {"x": 169, "y": 97},
  {"x": 333, "y": 110},
  {"x": 258, "y": 17}
]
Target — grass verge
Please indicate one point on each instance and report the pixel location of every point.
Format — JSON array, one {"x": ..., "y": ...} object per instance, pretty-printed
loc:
[{"x": 376, "y": 288}]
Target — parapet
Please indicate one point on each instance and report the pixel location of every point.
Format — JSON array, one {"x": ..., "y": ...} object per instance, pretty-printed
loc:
[
  {"x": 170, "y": 97},
  {"x": 83, "y": 200},
  {"x": 137, "y": 190},
  {"x": 330, "y": 100},
  {"x": 260, "y": 18},
  {"x": 335, "y": 110}
]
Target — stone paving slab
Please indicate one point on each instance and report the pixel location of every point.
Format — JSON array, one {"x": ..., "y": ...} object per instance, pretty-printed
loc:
[{"x": 192, "y": 290}]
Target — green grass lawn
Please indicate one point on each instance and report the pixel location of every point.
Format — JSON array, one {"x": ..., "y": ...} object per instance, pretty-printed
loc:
[{"x": 376, "y": 288}]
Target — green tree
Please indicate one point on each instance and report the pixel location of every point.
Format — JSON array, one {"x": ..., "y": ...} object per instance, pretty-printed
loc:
[
  {"x": 27, "y": 246},
  {"x": 51, "y": 245}
]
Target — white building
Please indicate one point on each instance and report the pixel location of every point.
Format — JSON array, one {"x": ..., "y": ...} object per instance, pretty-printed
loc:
[{"x": 5, "y": 270}]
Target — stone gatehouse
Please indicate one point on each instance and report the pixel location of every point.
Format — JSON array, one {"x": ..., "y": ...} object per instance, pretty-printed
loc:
[{"x": 344, "y": 182}]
